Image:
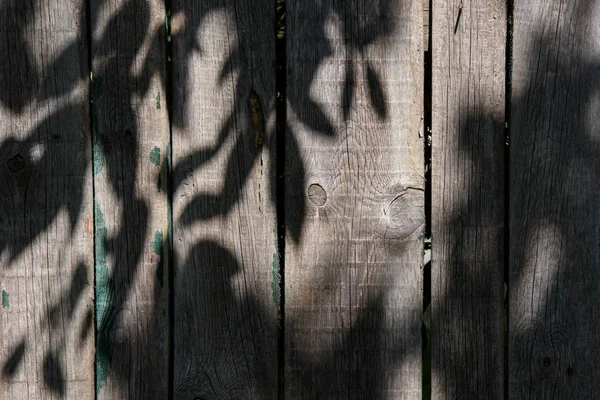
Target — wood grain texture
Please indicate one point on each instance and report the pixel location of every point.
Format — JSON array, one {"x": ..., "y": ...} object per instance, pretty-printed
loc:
[
  {"x": 468, "y": 179},
  {"x": 354, "y": 199},
  {"x": 554, "y": 191},
  {"x": 131, "y": 138},
  {"x": 46, "y": 242},
  {"x": 226, "y": 262}
]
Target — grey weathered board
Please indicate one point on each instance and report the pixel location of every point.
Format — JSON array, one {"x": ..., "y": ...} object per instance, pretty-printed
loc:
[
  {"x": 46, "y": 217},
  {"x": 354, "y": 203},
  {"x": 468, "y": 179},
  {"x": 226, "y": 262},
  {"x": 554, "y": 286},
  {"x": 130, "y": 144}
]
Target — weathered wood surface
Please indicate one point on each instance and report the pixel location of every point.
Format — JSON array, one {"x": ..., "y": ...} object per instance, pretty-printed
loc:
[
  {"x": 468, "y": 199},
  {"x": 46, "y": 220},
  {"x": 131, "y": 141},
  {"x": 554, "y": 209},
  {"x": 354, "y": 199},
  {"x": 226, "y": 263}
]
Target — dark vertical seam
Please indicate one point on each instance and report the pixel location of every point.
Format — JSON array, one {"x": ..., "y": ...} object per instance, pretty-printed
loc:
[
  {"x": 507, "y": 117},
  {"x": 170, "y": 268},
  {"x": 88, "y": 38},
  {"x": 280, "y": 145},
  {"x": 426, "y": 275}
]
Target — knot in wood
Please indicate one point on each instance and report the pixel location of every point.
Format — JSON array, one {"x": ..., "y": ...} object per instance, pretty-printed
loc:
[
  {"x": 403, "y": 214},
  {"x": 317, "y": 195},
  {"x": 16, "y": 163}
]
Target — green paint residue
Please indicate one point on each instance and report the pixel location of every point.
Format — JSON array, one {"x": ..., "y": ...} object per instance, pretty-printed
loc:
[
  {"x": 158, "y": 101},
  {"x": 99, "y": 159},
  {"x": 5, "y": 299},
  {"x": 157, "y": 247},
  {"x": 97, "y": 148},
  {"x": 102, "y": 361},
  {"x": 104, "y": 300},
  {"x": 169, "y": 156},
  {"x": 155, "y": 156},
  {"x": 168, "y": 25}
]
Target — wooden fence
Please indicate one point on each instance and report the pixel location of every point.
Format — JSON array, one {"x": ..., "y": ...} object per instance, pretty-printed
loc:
[{"x": 307, "y": 199}]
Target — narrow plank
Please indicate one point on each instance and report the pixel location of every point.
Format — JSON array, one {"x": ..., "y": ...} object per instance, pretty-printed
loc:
[
  {"x": 46, "y": 215},
  {"x": 354, "y": 199},
  {"x": 554, "y": 209},
  {"x": 468, "y": 179},
  {"x": 226, "y": 264},
  {"x": 131, "y": 142}
]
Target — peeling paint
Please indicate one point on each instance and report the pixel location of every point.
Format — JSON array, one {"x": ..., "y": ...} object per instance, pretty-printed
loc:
[
  {"x": 157, "y": 247},
  {"x": 97, "y": 148},
  {"x": 158, "y": 101},
  {"x": 155, "y": 156},
  {"x": 5, "y": 299},
  {"x": 99, "y": 159},
  {"x": 104, "y": 300}
]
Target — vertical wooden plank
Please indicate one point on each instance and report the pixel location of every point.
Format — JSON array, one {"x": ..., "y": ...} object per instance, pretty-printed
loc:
[
  {"x": 354, "y": 199},
  {"x": 46, "y": 220},
  {"x": 554, "y": 209},
  {"x": 131, "y": 142},
  {"x": 226, "y": 263},
  {"x": 468, "y": 177}
]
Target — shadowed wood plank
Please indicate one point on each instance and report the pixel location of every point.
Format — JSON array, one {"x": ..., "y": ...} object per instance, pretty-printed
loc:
[
  {"x": 131, "y": 143},
  {"x": 554, "y": 209},
  {"x": 354, "y": 199},
  {"x": 46, "y": 220},
  {"x": 468, "y": 179},
  {"x": 226, "y": 263}
]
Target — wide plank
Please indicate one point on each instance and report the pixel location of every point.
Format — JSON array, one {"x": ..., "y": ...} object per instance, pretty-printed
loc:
[
  {"x": 468, "y": 196},
  {"x": 225, "y": 249},
  {"x": 554, "y": 209},
  {"x": 46, "y": 214},
  {"x": 354, "y": 199}
]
